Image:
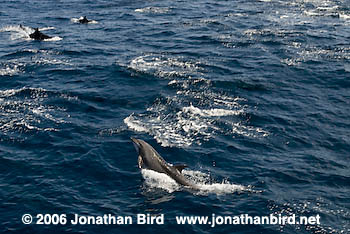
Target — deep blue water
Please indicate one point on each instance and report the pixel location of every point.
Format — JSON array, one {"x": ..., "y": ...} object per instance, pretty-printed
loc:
[{"x": 253, "y": 95}]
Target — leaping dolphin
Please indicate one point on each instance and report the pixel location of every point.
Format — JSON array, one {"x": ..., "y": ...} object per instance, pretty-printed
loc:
[
  {"x": 150, "y": 159},
  {"x": 37, "y": 35}
]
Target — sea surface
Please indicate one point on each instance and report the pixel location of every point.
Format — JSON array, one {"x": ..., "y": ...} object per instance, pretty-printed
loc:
[{"x": 254, "y": 96}]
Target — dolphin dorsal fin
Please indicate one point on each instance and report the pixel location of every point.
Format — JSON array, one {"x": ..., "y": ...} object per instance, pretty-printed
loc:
[{"x": 180, "y": 167}]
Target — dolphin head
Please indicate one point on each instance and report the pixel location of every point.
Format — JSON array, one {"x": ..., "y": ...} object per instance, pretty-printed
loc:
[
  {"x": 141, "y": 149},
  {"x": 148, "y": 157},
  {"x": 136, "y": 143}
]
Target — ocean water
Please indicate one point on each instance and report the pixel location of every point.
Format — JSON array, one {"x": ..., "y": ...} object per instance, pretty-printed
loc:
[{"x": 254, "y": 96}]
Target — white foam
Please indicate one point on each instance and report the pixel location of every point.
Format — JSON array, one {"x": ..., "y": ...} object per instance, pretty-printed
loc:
[
  {"x": 12, "y": 28},
  {"x": 17, "y": 32},
  {"x": 46, "y": 28},
  {"x": 23, "y": 32},
  {"x": 11, "y": 92},
  {"x": 192, "y": 124},
  {"x": 248, "y": 131},
  {"x": 215, "y": 112},
  {"x": 135, "y": 124},
  {"x": 9, "y": 70},
  {"x": 201, "y": 180},
  {"x": 75, "y": 20},
  {"x": 312, "y": 13},
  {"x": 158, "y": 10},
  {"x": 158, "y": 180},
  {"x": 56, "y": 38},
  {"x": 52, "y": 61},
  {"x": 28, "y": 112},
  {"x": 344, "y": 16},
  {"x": 221, "y": 188},
  {"x": 176, "y": 122},
  {"x": 163, "y": 66}
]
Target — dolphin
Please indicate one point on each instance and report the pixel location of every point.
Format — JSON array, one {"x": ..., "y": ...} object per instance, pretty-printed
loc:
[
  {"x": 37, "y": 35},
  {"x": 149, "y": 158},
  {"x": 84, "y": 20}
]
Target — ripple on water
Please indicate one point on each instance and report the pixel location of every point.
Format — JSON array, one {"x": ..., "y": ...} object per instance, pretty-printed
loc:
[{"x": 28, "y": 109}]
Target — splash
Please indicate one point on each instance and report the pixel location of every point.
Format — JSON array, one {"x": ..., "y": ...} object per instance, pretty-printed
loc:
[
  {"x": 56, "y": 38},
  {"x": 162, "y": 181},
  {"x": 18, "y": 32},
  {"x": 158, "y": 180},
  {"x": 77, "y": 20},
  {"x": 23, "y": 32}
]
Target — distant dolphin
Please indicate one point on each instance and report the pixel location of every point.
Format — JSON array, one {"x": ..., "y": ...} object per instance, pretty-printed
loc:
[
  {"x": 37, "y": 35},
  {"x": 150, "y": 159},
  {"x": 84, "y": 20}
]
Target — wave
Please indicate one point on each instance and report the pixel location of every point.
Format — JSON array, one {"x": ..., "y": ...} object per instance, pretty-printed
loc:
[
  {"x": 52, "y": 61},
  {"x": 16, "y": 62},
  {"x": 193, "y": 116},
  {"x": 25, "y": 109},
  {"x": 317, "y": 206},
  {"x": 10, "y": 69},
  {"x": 163, "y": 66},
  {"x": 195, "y": 113},
  {"x": 300, "y": 55}
]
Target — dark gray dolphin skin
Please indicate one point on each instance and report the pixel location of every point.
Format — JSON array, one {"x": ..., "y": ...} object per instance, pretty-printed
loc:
[
  {"x": 37, "y": 35},
  {"x": 84, "y": 20},
  {"x": 150, "y": 159}
]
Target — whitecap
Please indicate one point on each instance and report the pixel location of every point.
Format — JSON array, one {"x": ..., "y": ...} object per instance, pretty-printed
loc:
[
  {"x": 24, "y": 109},
  {"x": 174, "y": 120},
  {"x": 9, "y": 70},
  {"x": 163, "y": 66},
  {"x": 158, "y": 10},
  {"x": 171, "y": 126},
  {"x": 214, "y": 112}
]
